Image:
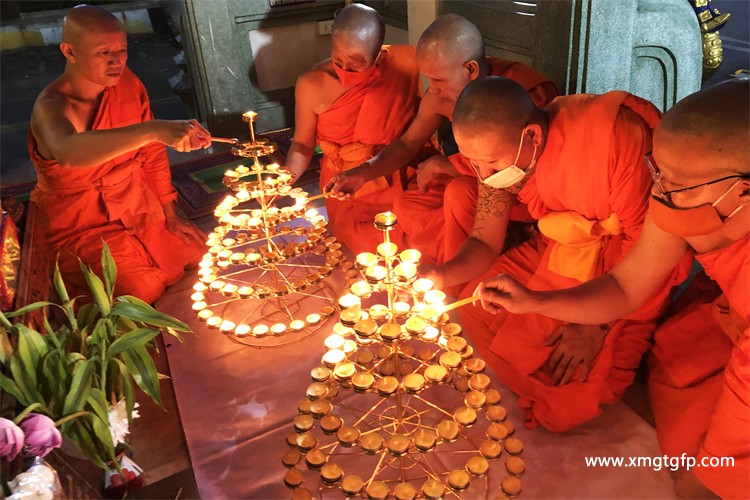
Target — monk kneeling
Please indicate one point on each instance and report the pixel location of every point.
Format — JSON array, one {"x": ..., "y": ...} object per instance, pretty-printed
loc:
[
  {"x": 102, "y": 168},
  {"x": 577, "y": 166}
]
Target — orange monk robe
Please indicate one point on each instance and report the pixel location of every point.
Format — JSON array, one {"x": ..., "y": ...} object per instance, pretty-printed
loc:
[
  {"x": 353, "y": 129},
  {"x": 119, "y": 202},
  {"x": 699, "y": 375},
  {"x": 589, "y": 195},
  {"x": 439, "y": 220}
]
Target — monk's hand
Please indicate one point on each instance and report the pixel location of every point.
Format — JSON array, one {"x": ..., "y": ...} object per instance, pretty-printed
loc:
[
  {"x": 184, "y": 229},
  {"x": 432, "y": 168},
  {"x": 505, "y": 292},
  {"x": 577, "y": 346},
  {"x": 182, "y": 135},
  {"x": 343, "y": 186}
]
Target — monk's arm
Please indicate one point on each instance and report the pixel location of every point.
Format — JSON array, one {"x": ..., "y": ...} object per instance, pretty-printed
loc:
[
  {"x": 399, "y": 152},
  {"x": 607, "y": 298},
  {"x": 486, "y": 241},
  {"x": 60, "y": 138},
  {"x": 305, "y": 126}
]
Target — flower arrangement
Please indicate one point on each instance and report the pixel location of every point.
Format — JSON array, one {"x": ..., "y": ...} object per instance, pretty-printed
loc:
[{"x": 80, "y": 376}]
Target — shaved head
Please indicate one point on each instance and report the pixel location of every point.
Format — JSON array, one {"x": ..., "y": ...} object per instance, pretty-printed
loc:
[
  {"x": 88, "y": 19},
  {"x": 715, "y": 125},
  {"x": 493, "y": 102},
  {"x": 453, "y": 39},
  {"x": 361, "y": 27}
]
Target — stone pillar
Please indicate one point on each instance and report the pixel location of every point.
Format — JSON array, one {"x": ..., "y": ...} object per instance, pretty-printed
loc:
[{"x": 648, "y": 47}]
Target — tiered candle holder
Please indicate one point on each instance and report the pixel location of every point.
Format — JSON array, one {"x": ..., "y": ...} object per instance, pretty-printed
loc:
[
  {"x": 399, "y": 407},
  {"x": 262, "y": 281}
]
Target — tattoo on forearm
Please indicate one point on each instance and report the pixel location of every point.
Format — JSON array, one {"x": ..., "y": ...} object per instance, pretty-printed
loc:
[{"x": 491, "y": 205}]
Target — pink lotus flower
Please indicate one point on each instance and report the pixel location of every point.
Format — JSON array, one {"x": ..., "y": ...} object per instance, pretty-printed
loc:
[
  {"x": 11, "y": 439},
  {"x": 41, "y": 435}
]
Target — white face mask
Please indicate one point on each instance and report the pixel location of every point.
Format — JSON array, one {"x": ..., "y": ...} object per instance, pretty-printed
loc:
[
  {"x": 508, "y": 176},
  {"x": 505, "y": 177}
]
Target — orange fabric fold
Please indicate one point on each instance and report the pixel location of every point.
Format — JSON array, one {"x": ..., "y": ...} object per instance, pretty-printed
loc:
[
  {"x": 699, "y": 374},
  {"x": 119, "y": 202},
  {"x": 439, "y": 220},
  {"x": 353, "y": 129}
]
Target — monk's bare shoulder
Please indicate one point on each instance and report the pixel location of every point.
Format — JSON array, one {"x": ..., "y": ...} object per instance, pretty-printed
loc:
[
  {"x": 318, "y": 87},
  {"x": 51, "y": 100},
  {"x": 320, "y": 75},
  {"x": 55, "y": 106}
]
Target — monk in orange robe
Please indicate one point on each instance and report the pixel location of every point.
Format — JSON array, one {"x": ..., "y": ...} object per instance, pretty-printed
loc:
[
  {"x": 578, "y": 166},
  {"x": 699, "y": 368},
  {"x": 102, "y": 167},
  {"x": 352, "y": 105},
  {"x": 439, "y": 210}
]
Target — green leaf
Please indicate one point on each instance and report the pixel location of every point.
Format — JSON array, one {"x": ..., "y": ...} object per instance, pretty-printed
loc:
[
  {"x": 59, "y": 284},
  {"x": 5, "y": 323},
  {"x": 32, "y": 344},
  {"x": 97, "y": 289},
  {"x": 48, "y": 327},
  {"x": 27, "y": 354},
  {"x": 80, "y": 387},
  {"x": 98, "y": 402},
  {"x": 149, "y": 315},
  {"x": 134, "y": 300},
  {"x": 128, "y": 388},
  {"x": 142, "y": 368},
  {"x": 99, "y": 334},
  {"x": 6, "y": 348},
  {"x": 74, "y": 357},
  {"x": 109, "y": 270},
  {"x": 87, "y": 315},
  {"x": 136, "y": 338},
  {"x": 51, "y": 337},
  {"x": 101, "y": 431},
  {"x": 56, "y": 376},
  {"x": 29, "y": 308},
  {"x": 11, "y": 388},
  {"x": 19, "y": 418},
  {"x": 28, "y": 391},
  {"x": 81, "y": 437}
]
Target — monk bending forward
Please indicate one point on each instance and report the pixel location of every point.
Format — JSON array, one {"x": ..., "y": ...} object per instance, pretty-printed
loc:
[
  {"x": 583, "y": 179},
  {"x": 102, "y": 167},
  {"x": 437, "y": 211},
  {"x": 699, "y": 375}
]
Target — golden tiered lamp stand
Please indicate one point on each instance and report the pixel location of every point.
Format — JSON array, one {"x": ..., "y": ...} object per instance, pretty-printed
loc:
[
  {"x": 263, "y": 280},
  {"x": 400, "y": 407}
]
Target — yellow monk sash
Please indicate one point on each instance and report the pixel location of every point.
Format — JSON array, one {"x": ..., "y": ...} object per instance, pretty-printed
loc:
[
  {"x": 341, "y": 158},
  {"x": 577, "y": 242}
]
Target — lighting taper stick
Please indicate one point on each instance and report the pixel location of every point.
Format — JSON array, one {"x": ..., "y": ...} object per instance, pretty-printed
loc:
[
  {"x": 318, "y": 196},
  {"x": 460, "y": 303},
  {"x": 229, "y": 140}
]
